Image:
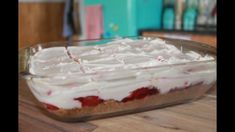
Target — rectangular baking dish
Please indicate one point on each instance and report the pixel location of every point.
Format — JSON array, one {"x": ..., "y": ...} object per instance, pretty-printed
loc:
[{"x": 92, "y": 92}]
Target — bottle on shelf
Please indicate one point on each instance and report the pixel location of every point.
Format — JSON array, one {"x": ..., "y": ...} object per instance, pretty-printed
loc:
[
  {"x": 190, "y": 15},
  {"x": 168, "y": 14},
  {"x": 202, "y": 12},
  {"x": 179, "y": 7}
]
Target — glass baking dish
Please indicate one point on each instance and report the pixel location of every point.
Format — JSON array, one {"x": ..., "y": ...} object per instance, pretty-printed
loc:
[{"x": 70, "y": 95}]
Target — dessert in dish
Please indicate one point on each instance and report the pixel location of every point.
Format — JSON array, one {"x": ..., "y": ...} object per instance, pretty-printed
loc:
[{"x": 121, "y": 75}]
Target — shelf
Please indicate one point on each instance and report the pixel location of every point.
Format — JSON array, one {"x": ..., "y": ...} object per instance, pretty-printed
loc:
[{"x": 198, "y": 32}]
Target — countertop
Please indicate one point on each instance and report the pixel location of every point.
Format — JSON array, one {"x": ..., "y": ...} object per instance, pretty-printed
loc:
[
  {"x": 194, "y": 117},
  {"x": 210, "y": 39}
]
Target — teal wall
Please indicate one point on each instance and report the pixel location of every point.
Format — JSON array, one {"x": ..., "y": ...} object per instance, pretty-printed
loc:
[
  {"x": 125, "y": 17},
  {"x": 149, "y": 14}
]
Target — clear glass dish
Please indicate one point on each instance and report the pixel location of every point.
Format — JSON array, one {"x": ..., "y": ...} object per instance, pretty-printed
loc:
[{"x": 92, "y": 92}]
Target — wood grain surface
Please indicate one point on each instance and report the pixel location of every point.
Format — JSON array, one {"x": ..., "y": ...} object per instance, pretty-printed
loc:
[
  {"x": 198, "y": 116},
  {"x": 40, "y": 22}
]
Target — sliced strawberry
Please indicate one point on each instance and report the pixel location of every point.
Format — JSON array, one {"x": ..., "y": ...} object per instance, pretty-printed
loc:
[
  {"x": 140, "y": 93},
  {"x": 50, "y": 106},
  {"x": 89, "y": 100},
  {"x": 153, "y": 91}
]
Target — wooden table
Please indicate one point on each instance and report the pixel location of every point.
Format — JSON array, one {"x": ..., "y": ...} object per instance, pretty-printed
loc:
[{"x": 198, "y": 116}]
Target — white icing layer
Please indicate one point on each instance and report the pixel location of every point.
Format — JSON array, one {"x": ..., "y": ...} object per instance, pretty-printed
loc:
[{"x": 109, "y": 70}]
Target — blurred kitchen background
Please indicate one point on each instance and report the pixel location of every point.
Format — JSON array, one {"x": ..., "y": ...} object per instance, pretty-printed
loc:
[{"x": 58, "y": 20}]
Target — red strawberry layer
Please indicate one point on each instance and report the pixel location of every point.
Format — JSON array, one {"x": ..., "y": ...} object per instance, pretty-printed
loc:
[
  {"x": 137, "y": 94},
  {"x": 50, "y": 106},
  {"x": 89, "y": 100},
  {"x": 140, "y": 93}
]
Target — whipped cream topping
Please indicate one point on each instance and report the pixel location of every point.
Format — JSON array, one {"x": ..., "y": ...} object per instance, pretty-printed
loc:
[{"x": 114, "y": 70}]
